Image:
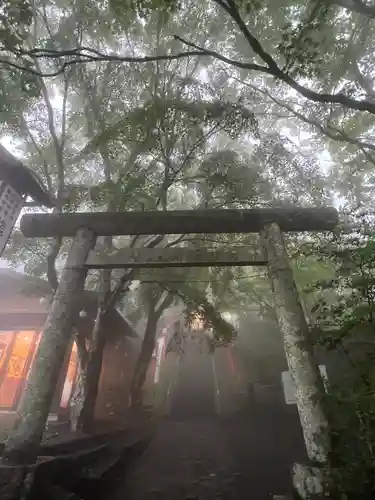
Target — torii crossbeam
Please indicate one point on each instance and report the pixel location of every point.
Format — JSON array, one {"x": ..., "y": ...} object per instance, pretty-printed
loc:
[{"x": 180, "y": 221}]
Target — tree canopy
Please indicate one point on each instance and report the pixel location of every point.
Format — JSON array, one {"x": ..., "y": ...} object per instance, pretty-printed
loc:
[{"x": 145, "y": 105}]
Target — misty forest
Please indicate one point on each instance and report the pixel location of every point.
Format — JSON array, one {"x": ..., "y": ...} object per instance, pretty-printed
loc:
[{"x": 161, "y": 106}]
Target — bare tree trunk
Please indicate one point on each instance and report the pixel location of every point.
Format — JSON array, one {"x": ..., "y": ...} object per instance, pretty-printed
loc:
[
  {"x": 83, "y": 404},
  {"x": 85, "y": 417},
  {"x": 24, "y": 440},
  {"x": 299, "y": 350},
  {"x": 155, "y": 310},
  {"x": 78, "y": 396},
  {"x": 96, "y": 352},
  {"x": 144, "y": 359},
  {"x": 83, "y": 400},
  {"x": 94, "y": 369},
  {"x": 78, "y": 392}
]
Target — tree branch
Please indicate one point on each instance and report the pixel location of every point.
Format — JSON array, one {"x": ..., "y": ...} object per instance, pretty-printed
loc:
[
  {"x": 331, "y": 132},
  {"x": 113, "y": 295},
  {"x": 53, "y": 252},
  {"x": 176, "y": 241},
  {"x": 63, "y": 118},
  {"x": 47, "y": 175},
  {"x": 164, "y": 304},
  {"x": 275, "y": 71},
  {"x": 82, "y": 55},
  {"x": 81, "y": 58},
  {"x": 363, "y": 80},
  {"x": 56, "y": 245}
]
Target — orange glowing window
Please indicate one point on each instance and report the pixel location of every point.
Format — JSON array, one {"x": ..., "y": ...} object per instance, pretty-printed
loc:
[
  {"x": 16, "y": 353},
  {"x": 20, "y": 354},
  {"x": 5, "y": 341}
]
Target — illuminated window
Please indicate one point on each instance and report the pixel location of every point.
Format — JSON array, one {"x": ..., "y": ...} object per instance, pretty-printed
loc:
[{"x": 17, "y": 350}]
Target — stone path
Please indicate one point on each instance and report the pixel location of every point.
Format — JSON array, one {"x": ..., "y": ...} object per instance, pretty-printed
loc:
[
  {"x": 185, "y": 461},
  {"x": 197, "y": 454}
]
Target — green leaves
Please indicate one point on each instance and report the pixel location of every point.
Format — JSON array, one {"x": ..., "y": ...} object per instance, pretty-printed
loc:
[
  {"x": 343, "y": 325},
  {"x": 228, "y": 180},
  {"x": 143, "y": 8},
  {"x": 129, "y": 192},
  {"x": 143, "y": 124},
  {"x": 300, "y": 45},
  {"x": 249, "y": 6},
  {"x": 348, "y": 302},
  {"x": 15, "y": 20},
  {"x": 198, "y": 307}
]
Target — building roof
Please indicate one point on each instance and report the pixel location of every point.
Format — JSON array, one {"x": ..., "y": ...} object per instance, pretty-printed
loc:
[
  {"x": 20, "y": 304},
  {"x": 22, "y": 179}
]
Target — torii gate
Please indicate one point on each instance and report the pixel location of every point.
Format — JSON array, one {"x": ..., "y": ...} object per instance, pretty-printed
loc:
[{"x": 85, "y": 227}]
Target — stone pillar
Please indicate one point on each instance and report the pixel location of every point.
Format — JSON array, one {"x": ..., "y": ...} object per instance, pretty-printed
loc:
[{"x": 300, "y": 358}]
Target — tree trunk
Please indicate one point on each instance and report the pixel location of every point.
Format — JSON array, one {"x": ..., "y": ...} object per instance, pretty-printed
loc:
[
  {"x": 83, "y": 400},
  {"x": 143, "y": 362},
  {"x": 79, "y": 383},
  {"x": 24, "y": 440},
  {"x": 86, "y": 390},
  {"x": 78, "y": 397},
  {"x": 155, "y": 310},
  {"x": 93, "y": 371},
  {"x": 298, "y": 348},
  {"x": 82, "y": 405}
]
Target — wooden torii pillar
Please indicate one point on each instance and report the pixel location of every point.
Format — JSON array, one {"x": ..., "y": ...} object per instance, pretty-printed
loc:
[{"x": 269, "y": 222}]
